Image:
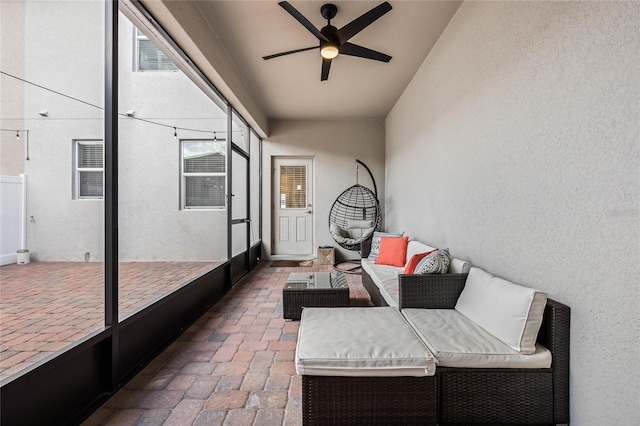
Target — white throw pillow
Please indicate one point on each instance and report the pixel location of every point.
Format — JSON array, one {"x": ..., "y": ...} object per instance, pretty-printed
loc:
[{"x": 511, "y": 312}]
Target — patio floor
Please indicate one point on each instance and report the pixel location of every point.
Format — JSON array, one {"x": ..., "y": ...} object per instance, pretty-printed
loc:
[
  {"x": 46, "y": 306},
  {"x": 233, "y": 366}
]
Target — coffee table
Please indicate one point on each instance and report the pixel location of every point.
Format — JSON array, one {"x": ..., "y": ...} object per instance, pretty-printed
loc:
[{"x": 314, "y": 289}]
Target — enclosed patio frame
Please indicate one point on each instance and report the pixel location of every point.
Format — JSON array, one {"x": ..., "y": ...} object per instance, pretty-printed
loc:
[{"x": 70, "y": 385}]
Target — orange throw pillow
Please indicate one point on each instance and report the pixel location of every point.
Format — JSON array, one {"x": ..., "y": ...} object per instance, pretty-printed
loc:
[
  {"x": 415, "y": 259},
  {"x": 393, "y": 251}
]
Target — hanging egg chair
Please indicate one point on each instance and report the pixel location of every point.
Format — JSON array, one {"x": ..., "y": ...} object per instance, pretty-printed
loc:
[{"x": 355, "y": 214}]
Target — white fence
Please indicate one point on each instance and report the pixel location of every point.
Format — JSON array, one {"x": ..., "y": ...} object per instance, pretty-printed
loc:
[{"x": 12, "y": 217}]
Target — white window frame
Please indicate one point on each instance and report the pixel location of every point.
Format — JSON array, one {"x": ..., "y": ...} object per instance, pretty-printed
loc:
[
  {"x": 184, "y": 175},
  {"x": 77, "y": 170},
  {"x": 137, "y": 37}
]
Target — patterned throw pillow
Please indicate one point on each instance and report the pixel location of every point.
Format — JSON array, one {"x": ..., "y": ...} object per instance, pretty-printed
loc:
[
  {"x": 375, "y": 242},
  {"x": 435, "y": 263},
  {"x": 410, "y": 268}
]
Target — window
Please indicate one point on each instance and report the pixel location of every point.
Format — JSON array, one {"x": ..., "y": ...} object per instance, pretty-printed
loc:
[
  {"x": 149, "y": 57},
  {"x": 89, "y": 170},
  {"x": 293, "y": 187},
  {"x": 203, "y": 170}
]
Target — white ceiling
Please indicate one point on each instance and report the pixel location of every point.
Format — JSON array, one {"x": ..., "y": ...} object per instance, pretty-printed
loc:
[{"x": 289, "y": 87}]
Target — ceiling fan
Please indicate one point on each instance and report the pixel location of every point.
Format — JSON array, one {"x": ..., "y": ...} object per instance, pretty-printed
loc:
[{"x": 335, "y": 41}]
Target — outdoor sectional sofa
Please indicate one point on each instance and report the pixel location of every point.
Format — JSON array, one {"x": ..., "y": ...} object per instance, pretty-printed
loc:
[{"x": 496, "y": 353}]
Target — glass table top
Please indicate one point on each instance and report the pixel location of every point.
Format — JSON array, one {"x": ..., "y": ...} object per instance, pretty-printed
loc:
[{"x": 316, "y": 280}]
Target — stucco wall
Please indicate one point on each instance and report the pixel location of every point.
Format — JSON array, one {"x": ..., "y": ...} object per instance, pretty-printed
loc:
[
  {"x": 516, "y": 145},
  {"x": 334, "y": 147},
  {"x": 11, "y": 94}
]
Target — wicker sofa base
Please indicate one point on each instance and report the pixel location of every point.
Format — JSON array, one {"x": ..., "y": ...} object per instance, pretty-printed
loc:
[
  {"x": 294, "y": 300},
  {"x": 495, "y": 396},
  {"x": 369, "y": 400}
]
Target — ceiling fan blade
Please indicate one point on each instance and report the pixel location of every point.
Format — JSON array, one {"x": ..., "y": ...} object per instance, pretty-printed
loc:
[
  {"x": 277, "y": 55},
  {"x": 359, "y": 24},
  {"x": 362, "y": 52},
  {"x": 326, "y": 64},
  {"x": 304, "y": 21}
]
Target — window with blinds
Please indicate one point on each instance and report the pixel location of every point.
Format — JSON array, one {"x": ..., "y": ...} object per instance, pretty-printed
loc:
[
  {"x": 89, "y": 169},
  {"x": 149, "y": 57},
  {"x": 203, "y": 171},
  {"x": 293, "y": 187}
]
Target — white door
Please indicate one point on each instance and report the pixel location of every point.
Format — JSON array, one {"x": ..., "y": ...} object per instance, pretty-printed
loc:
[{"x": 292, "y": 207}]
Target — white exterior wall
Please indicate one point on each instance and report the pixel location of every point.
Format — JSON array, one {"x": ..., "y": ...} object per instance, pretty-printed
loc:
[
  {"x": 334, "y": 147},
  {"x": 11, "y": 95},
  {"x": 516, "y": 146},
  {"x": 66, "y": 54}
]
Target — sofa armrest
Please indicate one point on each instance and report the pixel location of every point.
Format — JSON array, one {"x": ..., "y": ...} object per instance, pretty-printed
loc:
[
  {"x": 365, "y": 248},
  {"x": 554, "y": 335},
  {"x": 430, "y": 291}
]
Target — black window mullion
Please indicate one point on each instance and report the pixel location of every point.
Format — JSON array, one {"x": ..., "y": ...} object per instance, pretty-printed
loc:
[
  {"x": 229, "y": 177},
  {"x": 111, "y": 181}
]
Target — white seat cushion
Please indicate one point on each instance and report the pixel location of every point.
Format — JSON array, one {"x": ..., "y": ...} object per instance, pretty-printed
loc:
[
  {"x": 511, "y": 312},
  {"x": 456, "y": 341},
  {"x": 386, "y": 278},
  {"x": 390, "y": 290},
  {"x": 360, "y": 342}
]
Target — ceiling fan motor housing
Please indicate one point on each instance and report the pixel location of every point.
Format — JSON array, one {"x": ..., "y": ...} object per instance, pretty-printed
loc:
[
  {"x": 329, "y": 11},
  {"x": 331, "y": 33}
]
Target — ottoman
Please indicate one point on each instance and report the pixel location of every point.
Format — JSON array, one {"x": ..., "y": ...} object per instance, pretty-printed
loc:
[{"x": 363, "y": 366}]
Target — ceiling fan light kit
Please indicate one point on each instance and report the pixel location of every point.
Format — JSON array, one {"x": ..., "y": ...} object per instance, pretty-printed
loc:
[
  {"x": 329, "y": 51},
  {"x": 335, "y": 41}
]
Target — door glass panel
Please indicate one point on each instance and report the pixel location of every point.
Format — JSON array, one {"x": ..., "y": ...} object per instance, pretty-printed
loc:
[
  {"x": 239, "y": 132},
  {"x": 254, "y": 162},
  {"x": 293, "y": 187},
  {"x": 239, "y": 237},
  {"x": 239, "y": 191},
  {"x": 239, "y": 187}
]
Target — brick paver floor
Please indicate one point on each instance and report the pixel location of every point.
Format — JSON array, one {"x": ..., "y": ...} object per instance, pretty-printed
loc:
[
  {"x": 233, "y": 366},
  {"x": 46, "y": 306}
]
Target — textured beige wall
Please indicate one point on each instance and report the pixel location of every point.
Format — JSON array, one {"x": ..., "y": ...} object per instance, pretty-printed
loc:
[
  {"x": 334, "y": 147},
  {"x": 516, "y": 145}
]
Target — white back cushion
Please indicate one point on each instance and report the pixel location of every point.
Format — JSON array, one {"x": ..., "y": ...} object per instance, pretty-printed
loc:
[
  {"x": 509, "y": 311},
  {"x": 415, "y": 247},
  {"x": 459, "y": 266}
]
